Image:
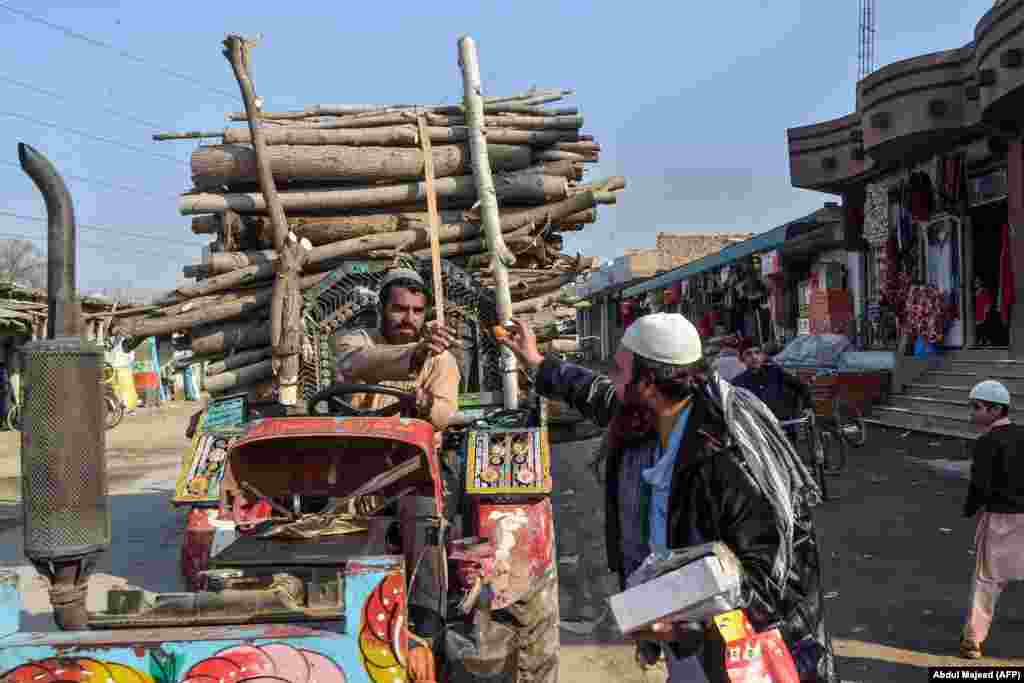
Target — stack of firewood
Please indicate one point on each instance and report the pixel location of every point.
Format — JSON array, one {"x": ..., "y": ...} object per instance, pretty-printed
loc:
[{"x": 351, "y": 182}]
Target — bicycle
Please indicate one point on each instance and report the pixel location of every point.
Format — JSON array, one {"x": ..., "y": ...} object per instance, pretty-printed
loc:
[
  {"x": 843, "y": 430},
  {"x": 114, "y": 411},
  {"x": 806, "y": 430}
]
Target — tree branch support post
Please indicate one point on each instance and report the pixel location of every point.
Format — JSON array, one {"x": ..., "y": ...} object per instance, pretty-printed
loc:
[
  {"x": 435, "y": 220},
  {"x": 502, "y": 258},
  {"x": 286, "y": 303}
]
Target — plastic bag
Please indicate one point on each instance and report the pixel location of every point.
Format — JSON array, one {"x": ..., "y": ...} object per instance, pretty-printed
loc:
[{"x": 752, "y": 657}]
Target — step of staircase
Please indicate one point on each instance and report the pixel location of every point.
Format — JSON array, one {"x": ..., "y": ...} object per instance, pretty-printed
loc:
[
  {"x": 936, "y": 403},
  {"x": 952, "y": 392},
  {"x": 956, "y": 378},
  {"x": 989, "y": 369},
  {"x": 980, "y": 354},
  {"x": 914, "y": 420},
  {"x": 941, "y": 406},
  {"x": 895, "y": 425}
]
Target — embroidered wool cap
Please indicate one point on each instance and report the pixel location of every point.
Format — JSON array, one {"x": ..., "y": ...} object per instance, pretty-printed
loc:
[
  {"x": 664, "y": 337},
  {"x": 396, "y": 274}
]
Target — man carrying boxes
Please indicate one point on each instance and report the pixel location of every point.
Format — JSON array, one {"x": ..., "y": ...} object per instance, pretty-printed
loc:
[{"x": 720, "y": 470}]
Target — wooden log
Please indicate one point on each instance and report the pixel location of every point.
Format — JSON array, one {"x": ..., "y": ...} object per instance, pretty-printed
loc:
[
  {"x": 574, "y": 221},
  {"x": 206, "y": 225},
  {"x": 536, "y": 289},
  {"x": 532, "y": 98},
  {"x": 230, "y": 336},
  {"x": 475, "y": 246},
  {"x": 217, "y": 165},
  {"x": 232, "y": 379},
  {"x": 226, "y": 262},
  {"x": 505, "y": 136},
  {"x": 238, "y": 280},
  {"x": 154, "y": 327},
  {"x": 402, "y": 136},
  {"x": 513, "y": 121},
  {"x": 558, "y": 155},
  {"x": 530, "y": 187},
  {"x": 578, "y": 147},
  {"x": 539, "y": 216},
  {"x": 505, "y": 121},
  {"x": 610, "y": 184},
  {"x": 385, "y": 136},
  {"x": 535, "y": 305},
  {"x": 238, "y": 360}
]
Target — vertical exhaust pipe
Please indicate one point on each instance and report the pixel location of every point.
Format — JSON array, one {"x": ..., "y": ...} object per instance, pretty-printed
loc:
[
  {"x": 63, "y": 442},
  {"x": 62, "y": 316}
]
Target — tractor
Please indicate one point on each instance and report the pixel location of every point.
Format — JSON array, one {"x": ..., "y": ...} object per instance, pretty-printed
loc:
[{"x": 296, "y": 566}]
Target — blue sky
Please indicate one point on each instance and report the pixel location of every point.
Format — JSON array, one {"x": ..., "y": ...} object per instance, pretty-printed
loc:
[{"x": 690, "y": 101}]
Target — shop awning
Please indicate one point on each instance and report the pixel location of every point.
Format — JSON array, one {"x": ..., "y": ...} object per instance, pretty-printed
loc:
[
  {"x": 828, "y": 236},
  {"x": 771, "y": 239}
]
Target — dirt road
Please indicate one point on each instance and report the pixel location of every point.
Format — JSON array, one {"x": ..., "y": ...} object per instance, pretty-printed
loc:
[{"x": 896, "y": 552}]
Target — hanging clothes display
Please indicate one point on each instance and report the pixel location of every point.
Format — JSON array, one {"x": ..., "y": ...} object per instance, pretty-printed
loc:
[
  {"x": 943, "y": 269},
  {"x": 1007, "y": 293},
  {"x": 919, "y": 188}
]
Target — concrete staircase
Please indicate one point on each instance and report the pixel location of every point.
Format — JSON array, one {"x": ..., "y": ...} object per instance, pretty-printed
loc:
[{"x": 937, "y": 402}]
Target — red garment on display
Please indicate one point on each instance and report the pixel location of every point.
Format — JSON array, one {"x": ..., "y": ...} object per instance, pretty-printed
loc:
[
  {"x": 1007, "y": 291},
  {"x": 982, "y": 302}
]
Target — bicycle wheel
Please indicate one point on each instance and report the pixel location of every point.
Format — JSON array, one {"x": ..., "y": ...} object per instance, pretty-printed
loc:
[
  {"x": 834, "y": 453},
  {"x": 114, "y": 411},
  {"x": 14, "y": 418},
  {"x": 849, "y": 422},
  {"x": 816, "y": 448}
]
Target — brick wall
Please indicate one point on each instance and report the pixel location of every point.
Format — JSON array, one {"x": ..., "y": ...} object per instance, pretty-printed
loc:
[{"x": 678, "y": 249}]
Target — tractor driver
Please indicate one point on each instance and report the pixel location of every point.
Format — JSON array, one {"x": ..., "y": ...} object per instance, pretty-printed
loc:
[
  {"x": 403, "y": 352},
  {"x": 406, "y": 353}
]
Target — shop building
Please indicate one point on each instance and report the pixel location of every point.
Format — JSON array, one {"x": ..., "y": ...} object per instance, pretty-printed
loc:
[
  {"x": 603, "y": 315},
  {"x": 930, "y": 173},
  {"x": 762, "y": 288},
  {"x": 930, "y": 169}
]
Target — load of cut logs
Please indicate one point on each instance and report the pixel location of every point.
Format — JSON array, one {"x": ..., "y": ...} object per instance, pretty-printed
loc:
[{"x": 350, "y": 181}]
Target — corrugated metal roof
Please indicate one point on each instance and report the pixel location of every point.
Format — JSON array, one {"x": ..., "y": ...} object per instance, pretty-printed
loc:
[{"x": 766, "y": 241}]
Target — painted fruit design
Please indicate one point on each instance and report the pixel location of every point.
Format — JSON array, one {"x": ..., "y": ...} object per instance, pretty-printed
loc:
[
  {"x": 75, "y": 670},
  {"x": 272, "y": 663},
  {"x": 383, "y": 639}
]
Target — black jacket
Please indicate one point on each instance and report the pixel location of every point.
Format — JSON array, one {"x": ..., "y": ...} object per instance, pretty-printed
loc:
[
  {"x": 781, "y": 391},
  {"x": 997, "y": 473},
  {"x": 713, "y": 495}
]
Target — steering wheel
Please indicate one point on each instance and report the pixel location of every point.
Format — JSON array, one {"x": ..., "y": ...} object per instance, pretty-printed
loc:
[{"x": 332, "y": 396}]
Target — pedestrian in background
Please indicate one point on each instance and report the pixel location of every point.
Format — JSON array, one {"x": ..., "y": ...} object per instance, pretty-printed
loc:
[
  {"x": 997, "y": 492},
  {"x": 781, "y": 391},
  {"x": 728, "y": 364}
]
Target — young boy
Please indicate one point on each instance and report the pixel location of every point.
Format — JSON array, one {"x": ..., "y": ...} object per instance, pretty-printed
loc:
[{"x": 997, "y": 491}]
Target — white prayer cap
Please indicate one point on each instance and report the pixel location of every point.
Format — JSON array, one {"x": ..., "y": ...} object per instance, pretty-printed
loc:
[
  {"x": 990, "y": 391},
  {"x": 664, "y": 337}
]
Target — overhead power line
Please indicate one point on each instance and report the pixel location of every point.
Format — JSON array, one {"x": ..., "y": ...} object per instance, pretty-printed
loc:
[
  {"x": 103, "y": 183},
  {"x": 110, "y": 110},
  {"x": 96, "y": 228},
  {"x": 89, "y": 245},
  {"x": 91, "y": 136},
  {"x": 95, "y": 42}
]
